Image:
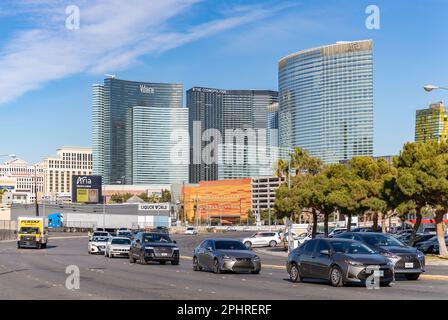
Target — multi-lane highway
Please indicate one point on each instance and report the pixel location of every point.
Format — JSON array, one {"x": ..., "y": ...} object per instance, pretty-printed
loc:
[{"x": 41, "y": 274}]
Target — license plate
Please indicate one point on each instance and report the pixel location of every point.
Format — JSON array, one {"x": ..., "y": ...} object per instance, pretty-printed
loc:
[
  {"x": 409, "y": 265},
  {"x": 164, "y": 254}
]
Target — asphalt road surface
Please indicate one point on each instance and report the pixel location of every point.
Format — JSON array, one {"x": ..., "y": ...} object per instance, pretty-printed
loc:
[{"x": 41, "y": 274}]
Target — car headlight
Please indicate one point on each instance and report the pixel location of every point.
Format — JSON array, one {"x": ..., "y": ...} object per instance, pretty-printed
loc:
[
  {"x": 176, "y": 249},
  {"x": 393, "y": 258},
  {"x": 420, "y": 254},
  {"x": 355, "y": 263},
  {"x": 256, "y": 258},
  {"x": 226, "y": 257},
  {"x": 149, "y": 248}
]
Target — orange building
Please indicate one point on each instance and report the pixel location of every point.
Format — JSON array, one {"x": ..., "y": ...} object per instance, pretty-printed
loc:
[{"x": 223, "y": 201}]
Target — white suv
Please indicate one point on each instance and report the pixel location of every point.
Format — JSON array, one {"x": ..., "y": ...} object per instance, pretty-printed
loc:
[{"x": 262, "y": 239}]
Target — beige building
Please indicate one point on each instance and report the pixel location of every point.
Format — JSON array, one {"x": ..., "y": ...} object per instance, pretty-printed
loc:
[
  {"x": 18, "y": 176},
  {"x": 58, "y": 170}
]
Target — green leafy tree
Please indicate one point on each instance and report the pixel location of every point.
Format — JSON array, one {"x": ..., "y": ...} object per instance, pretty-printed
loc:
[
  {"x": 422, "y": 180},
  {"x": 166, "y": 196}
]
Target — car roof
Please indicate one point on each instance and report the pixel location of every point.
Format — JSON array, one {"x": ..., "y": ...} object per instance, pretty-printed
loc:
[{"x": 119, "y": 238}]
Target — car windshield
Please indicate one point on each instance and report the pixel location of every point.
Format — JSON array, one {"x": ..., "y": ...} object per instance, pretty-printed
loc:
[
  {"x": 349, "y": 247},
  {"x": 124, "y": 233},
  {"x": 100, "y": 234},
  {"x": 382, "y": 240},
  {"x": 28, "y": 230},
  {"x": 190, "y": 228},
  {"x": 100, "y": 239},
  {"x": 156, "y": 237},
  {"x": 229, "y": 245},
  {"x": 121, "y": 241}
]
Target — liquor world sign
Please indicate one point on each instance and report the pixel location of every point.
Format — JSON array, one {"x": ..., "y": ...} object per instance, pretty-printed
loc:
[{"x": 154, "y": 207}]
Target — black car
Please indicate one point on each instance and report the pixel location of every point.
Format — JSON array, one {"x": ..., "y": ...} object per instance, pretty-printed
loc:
[
  {"x": 407, "y": 260},
  {"x": 153, "y": 246},
  {"x": 340, "y": 261},
  {"x": 431, "y": 245}
]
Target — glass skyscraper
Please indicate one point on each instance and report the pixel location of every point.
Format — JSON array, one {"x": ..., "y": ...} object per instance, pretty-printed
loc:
[
  {"x": 225, "y": 110},
  {"x": 326, "y": 101},
  {"x": 432, "y": 124},
  {"x": 116, "y": 153}
]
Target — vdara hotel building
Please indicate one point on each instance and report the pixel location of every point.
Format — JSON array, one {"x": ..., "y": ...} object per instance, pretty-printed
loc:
[
  {"x": 326, "y": 101},
  {"x": 432, "y": 124},
  {"x": 135, "y": 127}
]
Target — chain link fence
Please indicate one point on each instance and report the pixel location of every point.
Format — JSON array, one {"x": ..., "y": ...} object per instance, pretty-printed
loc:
[{"x": 8, "y": 229}]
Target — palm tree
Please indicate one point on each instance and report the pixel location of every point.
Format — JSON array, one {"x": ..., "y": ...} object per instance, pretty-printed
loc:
[
  {"x": 281, "y": 168},
  {"x": 301, "y": 161}
]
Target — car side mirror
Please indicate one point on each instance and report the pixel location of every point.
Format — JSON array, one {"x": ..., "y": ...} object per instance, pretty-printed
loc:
[
  {"x": 325, "y": 252},
  {"x": 209, "y": 249}
]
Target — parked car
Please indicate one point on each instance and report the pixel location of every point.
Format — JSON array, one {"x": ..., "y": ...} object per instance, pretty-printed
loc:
[
  {"x": 407, "y": 260},
  {"x": 191, "y": 231},
  {"x": 430, "y": 246},
  {"x": 99, "y": 234},
  {"x": 97, "y": 245},
  {"x": 285, "y": 236},
  {"x": 220, "y": 255},
  {"x": 153, "y": 246},
  {"x": 367, "y": 229},
  {"x": 304, "y": 237},
  {"x": 117, "y": 246},
  {"x": 340, "y": 261},
  {"x": 336, "y": 231},
  {"x": 419, "y": 238},
  {"x": 262, "y": 239}
]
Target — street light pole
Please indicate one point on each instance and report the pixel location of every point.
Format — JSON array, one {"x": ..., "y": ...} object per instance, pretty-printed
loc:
[{"x": 35, "y": 190}]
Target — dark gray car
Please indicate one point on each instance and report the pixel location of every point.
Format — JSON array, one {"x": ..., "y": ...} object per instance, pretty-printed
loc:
[
  {"x": 339, "y": 261},
  {"x": 220, "y": 255},
  {"x": 407, "y": 260}
]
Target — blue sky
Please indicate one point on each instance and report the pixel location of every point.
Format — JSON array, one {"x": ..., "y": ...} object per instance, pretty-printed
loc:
[{"x": 46, "y": 71}]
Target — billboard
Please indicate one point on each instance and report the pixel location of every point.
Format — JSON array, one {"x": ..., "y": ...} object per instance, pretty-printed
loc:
[{"x": 86, "y": 189}]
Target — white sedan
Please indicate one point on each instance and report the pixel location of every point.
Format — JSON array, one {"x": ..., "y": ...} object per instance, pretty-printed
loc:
[
  {"x": 97, "y": 245},
  {"x": 118, "y": 246},
  {"x": 191, "y": 231}
]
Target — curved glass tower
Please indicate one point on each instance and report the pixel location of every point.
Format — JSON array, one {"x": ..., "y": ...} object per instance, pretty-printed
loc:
[{"x": 326, "y": 101}]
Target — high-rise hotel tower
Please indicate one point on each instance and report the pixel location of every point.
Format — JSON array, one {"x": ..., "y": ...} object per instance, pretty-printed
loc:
[{"x": 326, "y": 101}]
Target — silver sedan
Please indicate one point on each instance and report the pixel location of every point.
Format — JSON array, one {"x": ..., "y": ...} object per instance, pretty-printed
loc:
[{"x": 219, "y": 255}]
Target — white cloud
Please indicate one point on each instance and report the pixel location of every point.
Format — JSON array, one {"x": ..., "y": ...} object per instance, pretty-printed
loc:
[{"x": 113, "y": 35}]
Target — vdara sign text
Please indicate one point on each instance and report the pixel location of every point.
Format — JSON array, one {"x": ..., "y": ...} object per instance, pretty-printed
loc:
[{"x": 146, "y": 89}]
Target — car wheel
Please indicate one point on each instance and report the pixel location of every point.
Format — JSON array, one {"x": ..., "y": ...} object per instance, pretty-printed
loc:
[
  {"x": 248, "y": 244},
  {"x": 256, "y": 271},
  {"x": 412, "y": 276},
  {"x": 216, "y": 266},
  {"x": 142, "y": 259},
  {"x": 385, "y": 283},
  {"x": 273, "y": 243},
  {"x": 294, "y": 273},
  {"x": 336, "y": 277},
  {"x": 131, "y": 258},
  {"x": 196, "y": 266},
  {"x": 162, "y": 262},
  {"x": 175, "y": 262}
]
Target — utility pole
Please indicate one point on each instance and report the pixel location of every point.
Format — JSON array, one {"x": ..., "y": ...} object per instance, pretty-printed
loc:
[{"x": 35, "y": 190}]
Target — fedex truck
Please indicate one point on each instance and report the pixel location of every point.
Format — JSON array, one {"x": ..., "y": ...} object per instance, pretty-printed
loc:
[{"x": 32, "y": 232}]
